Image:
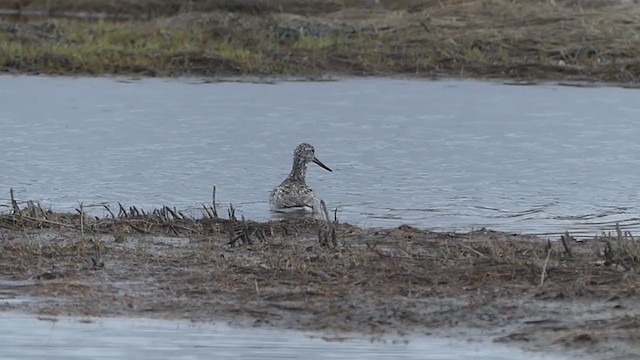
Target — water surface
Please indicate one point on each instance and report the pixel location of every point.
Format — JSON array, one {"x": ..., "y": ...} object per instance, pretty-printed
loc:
[
  {"x": 27, "y": 338},
  {"x": 442, "y": 155}
]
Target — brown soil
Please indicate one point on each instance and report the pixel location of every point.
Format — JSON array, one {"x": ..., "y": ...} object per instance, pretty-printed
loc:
[{"x": 579, "y": 298}]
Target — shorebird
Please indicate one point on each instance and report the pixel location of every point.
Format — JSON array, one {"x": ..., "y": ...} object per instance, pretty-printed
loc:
[{"x": 293, "y": 194}]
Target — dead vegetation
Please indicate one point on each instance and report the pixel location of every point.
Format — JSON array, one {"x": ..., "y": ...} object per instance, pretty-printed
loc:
[
  {"x": 165, "y": 221},
  {"x": 523, "y": 40},
  {"x": 322, "y": 274},
  {"x": 479, "y": 250}
]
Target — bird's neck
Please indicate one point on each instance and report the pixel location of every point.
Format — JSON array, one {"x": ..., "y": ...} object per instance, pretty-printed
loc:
[{"x": 299, "y": 170}]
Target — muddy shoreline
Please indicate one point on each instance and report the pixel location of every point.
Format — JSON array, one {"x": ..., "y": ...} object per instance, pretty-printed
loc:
[
  {"x": 527, "y": 41},
  {"x": 574, "y": 297}
]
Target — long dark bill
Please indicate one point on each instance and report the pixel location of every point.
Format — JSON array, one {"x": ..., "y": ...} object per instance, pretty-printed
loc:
[{"x": 315, "y": 160}]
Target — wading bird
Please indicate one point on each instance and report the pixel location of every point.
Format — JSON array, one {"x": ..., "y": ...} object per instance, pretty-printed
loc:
[{"x": 293, "y": 194}]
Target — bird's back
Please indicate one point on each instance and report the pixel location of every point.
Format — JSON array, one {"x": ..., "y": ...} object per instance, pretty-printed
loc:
[{"x": 292, "y": 194}]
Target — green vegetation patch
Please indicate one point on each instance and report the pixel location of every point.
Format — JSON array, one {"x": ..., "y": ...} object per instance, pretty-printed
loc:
[{"x": 476, "y": 38}]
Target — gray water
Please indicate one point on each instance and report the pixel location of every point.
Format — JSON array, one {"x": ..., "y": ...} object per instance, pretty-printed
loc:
[
  {"x": 25, "y": 338},
  {"x": 441, "y": 155}
]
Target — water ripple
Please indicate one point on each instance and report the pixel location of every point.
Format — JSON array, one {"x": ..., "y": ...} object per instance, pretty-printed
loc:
[{"x": 538, "y": 159}]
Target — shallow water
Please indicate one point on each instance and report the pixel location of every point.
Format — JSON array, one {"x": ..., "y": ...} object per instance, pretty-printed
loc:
[
  {"x": 25, "y": 337},
  {"x": 441, "y": 155}
]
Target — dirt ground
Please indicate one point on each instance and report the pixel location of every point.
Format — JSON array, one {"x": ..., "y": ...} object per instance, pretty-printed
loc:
[{"x": 576, "y": 298}]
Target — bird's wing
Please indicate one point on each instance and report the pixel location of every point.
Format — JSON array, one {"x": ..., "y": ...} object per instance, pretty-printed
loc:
[{"x": 288, "y": 197}]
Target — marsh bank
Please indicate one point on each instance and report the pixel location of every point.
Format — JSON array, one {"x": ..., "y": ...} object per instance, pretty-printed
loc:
[
  {"x": 525, "y": 40},
  {"x": 579, "y": 298}
]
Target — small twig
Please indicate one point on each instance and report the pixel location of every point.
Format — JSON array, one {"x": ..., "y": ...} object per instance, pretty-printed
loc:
[
  {"x": 174, "y": 230},
  {"x": 213, "y": 202},
  {"x": 172, "y": 212},
  {"x": 186, "y": 229},
  {"x": 232, "y": 237},
  {"x": 371, "y": 246},
  {"x": 262, "y": 236},
  {"x": 44, "y": 215},
  {"x": 544, "y": 267},
  {"x": 206, "y": 210},
  {"x": 473, "y": 250},
  {"x": 323, "y": 207},
  {"x": 14, "y": 203},
  {"x": 109, "y": 210},
  {"x": 406, "y": 252},
  {"x": 608, "y": 253},
  {"x": 565, "y": 242},
  {"x": 327, "y": 232},
  {"x": 138, "y": 229},
  {"x": 630, "y": 235},
  {"x": 232, "y": 212},
  {"x": 245, "y": 231},
  {"x": 48, "y": 221},
  {"x": 82, "y": 221},
  {"x": 425, "y": 26},
  {"x": 122, "y": 212}
]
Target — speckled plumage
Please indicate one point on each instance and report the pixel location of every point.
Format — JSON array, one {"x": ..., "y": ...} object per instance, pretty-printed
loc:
[{"x": 293, "y": 193}]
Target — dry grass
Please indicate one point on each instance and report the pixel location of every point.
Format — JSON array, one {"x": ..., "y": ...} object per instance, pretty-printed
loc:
[
  {"x": 621, "y": 250},
  {"x": 464, "y": 259},
  {"x": 472, "y": 38}
]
